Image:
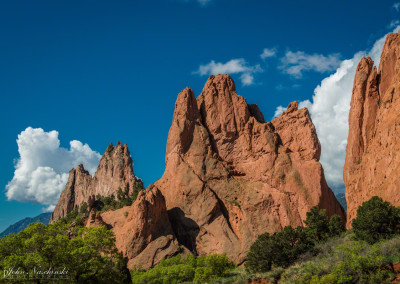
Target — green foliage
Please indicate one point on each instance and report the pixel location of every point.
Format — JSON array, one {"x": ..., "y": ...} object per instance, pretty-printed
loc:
[
  {"x": 317, "y": 223},
  {"x": 336, "y": 226},
  {"x": 376, "y": 219},
  {"x": 343, "y": 261},
  {"x": 236, "y": 203},
  {"x": 84, "y": 211},
  {"x": 106, "y": 203},
  {"x": 284, "y": 248},
  {"x": 188, "y": 268},
  {"x": 89, "y": 257},
  {"x": 280, "y": 249}
]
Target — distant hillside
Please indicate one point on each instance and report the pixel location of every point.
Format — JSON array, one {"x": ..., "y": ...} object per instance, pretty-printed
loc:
[
  {"x": 342, "y": 200},
  {"x": 20, "y": 225}
]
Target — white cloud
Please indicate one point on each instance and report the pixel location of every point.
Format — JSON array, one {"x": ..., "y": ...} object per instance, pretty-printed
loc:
[
  {"x": 295, "y": 63},
  {"x": 396, "y": 6},
  {"x": 329, "y": 111},
  {"x": 49, "y": 208},
  {"x": 41, "y": 171},
  {"x": 234, "y": 66},
  {"x": 268, "y": 52}
]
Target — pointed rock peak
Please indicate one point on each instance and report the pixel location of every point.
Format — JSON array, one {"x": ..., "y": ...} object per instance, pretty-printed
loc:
[
  {"x": 118, "y": 148},
  {"x": 292, "y": 107},
  {"x": 186, "y": 105},
  {"x": 365, "y": 65},
  {"x": 220, "y": 82},
  {"x": 81, "y": 168}
]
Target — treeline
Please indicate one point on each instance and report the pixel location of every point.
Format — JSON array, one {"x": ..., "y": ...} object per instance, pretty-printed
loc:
[{"x": 321, "y": 252}]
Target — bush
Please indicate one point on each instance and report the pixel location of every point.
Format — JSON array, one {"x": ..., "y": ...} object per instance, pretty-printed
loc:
[
  {"x": 343, "y": 260},
  {"x": 280, "y": 249},
  {"x": 376, "y": 219},
  {"x": 284, "y": 248},
  {"x": 89, "y": 257},
  {"x": 189, "y": 268}
]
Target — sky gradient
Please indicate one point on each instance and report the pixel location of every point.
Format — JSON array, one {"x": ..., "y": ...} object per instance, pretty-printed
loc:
[{"x": 105, "y": 71}]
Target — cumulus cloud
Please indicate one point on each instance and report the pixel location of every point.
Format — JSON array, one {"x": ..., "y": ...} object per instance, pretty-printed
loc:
[
  {"x": 329, "y": 109},
  {"x": 41, "y": 171},
  {"x": 267, "y": 53},
  {"x": 295, "y": 63},
  {"x": 396, "y": 6},
  {"x": 234, "y": 66}
]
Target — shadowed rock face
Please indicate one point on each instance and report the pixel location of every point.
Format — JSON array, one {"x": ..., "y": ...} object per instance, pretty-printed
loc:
[
  {"x": 114, "y": 171},
  {"x": 230, "y": 176},
  {"x": 143, "y": 232},
  {"x": 372, "y": 155}
]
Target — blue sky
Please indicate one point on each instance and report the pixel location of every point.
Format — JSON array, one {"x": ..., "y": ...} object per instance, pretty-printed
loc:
[{"x": 106, "y": 71}]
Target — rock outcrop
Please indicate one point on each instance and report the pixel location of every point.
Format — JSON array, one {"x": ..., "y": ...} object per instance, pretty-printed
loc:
[
  {"x": 94, "y": 219},
  {"x": 373, "y": 148},
  {"x": 143, "y": 231},
  {"x": 230, "y": 176},
  {"x": 113, "y": 173}
]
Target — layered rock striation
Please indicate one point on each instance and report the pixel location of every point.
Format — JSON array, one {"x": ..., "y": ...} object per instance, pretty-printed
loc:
[
  {"x": 113, "y": 173},
  {"x": 230, "y": 176},
  {"x": 373, "y": 148}
]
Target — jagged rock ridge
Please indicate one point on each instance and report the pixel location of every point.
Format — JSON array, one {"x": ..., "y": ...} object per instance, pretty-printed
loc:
[
  {"x": 230, "y": 176},
  {"x": 114, "y": 172},
  {"x": 373, "y": 149}
]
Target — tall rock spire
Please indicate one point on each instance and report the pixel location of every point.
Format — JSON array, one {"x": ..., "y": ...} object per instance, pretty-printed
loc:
[{"x": 373, "y": 148}]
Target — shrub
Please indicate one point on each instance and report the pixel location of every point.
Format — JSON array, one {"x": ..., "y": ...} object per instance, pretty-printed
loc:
[
  {"x": 317, "y": 223},
  {"x": 280, "y": 249},
  {"x": 179, "y": 269},
  {"x": 336, "y": 226},
  {"x": 376, "y": 219}
]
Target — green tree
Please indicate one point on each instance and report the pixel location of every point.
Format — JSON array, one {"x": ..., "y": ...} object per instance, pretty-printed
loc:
[
  {"x": 376, "y": 219},
  {"x": 317, "y": 223},
  {"x": 280, "y": 249},
  {"x": 90, "y": 256},
  {"x": 336, "y": 226}
]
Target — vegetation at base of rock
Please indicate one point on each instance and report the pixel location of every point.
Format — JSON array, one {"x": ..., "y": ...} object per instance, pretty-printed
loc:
[
  {"x": 188, "y": 268},
  {"x": 284, "y": 248},
  {"x": 376, "y": 219},
  {"x": 88, "y": 254},
  {"x": 123, "y": 198}
]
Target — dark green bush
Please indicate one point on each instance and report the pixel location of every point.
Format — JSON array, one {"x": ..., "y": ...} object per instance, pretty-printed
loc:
[
  {"x": 280, "y": 249},
  {"x": 284, "y": 248},
  {"x": 376, "y": 219}
]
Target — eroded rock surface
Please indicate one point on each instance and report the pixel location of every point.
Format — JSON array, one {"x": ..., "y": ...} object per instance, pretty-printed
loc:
[
  {"x": 113, "y": 173},
  {"x": 373, "y": 149},
  {"x": 143, "y": 231},
  {"x": 230, "y": 176}
]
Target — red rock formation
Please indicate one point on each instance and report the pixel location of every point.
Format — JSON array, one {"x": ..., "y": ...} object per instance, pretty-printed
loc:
[
  {"x": 113, "y": 173},
  {"x": 372, "y": 155},
  {"x": 77, "y": 186},
  {"x": 94, "y": 219},
  {"x": 143, "y": 232},
  {"x": 230, "y": 177}
]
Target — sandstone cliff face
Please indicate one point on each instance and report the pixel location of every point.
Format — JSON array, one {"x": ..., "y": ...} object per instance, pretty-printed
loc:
[
  {"x": 143, "y": 231},
  {"x": 114, "y": 171},
  {"x": 230, "y": 176},
  {"x": 372, "y": 156}
]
